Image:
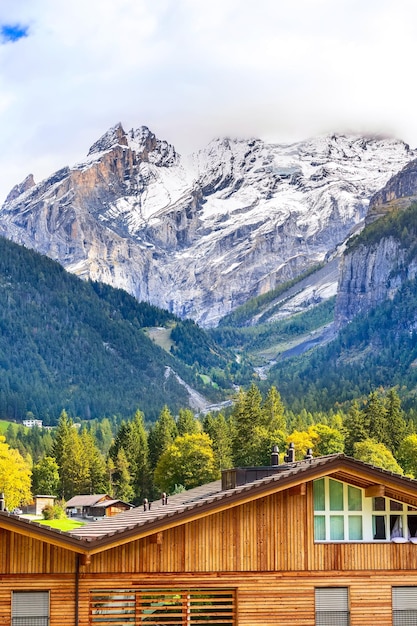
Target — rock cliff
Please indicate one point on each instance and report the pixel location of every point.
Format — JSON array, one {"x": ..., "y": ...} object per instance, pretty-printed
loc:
[
  {"x": 200, "y": 235},
  {"x": 374, "y": 270}
]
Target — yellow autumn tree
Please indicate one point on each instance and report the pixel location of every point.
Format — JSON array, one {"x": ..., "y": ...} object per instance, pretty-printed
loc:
[
  {"x": 189, "y": 461},
  {"x": 15, "y": 476}
]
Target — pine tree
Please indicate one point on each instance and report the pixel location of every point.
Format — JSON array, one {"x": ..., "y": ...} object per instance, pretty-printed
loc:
[
  {"x": 354, "y": 428},
  {"x": 133, "y": 440},
  {"x": 396, "y": 424},
  {"x": 376, "y": 418},
  {"x": 161, "y": 435},
  {"x": 187, "y": 423},
  {"x": 123, "y": 489},
  {"x": 218, "y": 430},
  {"x": 273, "y": 411}
]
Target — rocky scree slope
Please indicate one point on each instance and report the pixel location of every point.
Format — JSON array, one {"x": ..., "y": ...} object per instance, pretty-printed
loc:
[{"x": 200, "y": 235}]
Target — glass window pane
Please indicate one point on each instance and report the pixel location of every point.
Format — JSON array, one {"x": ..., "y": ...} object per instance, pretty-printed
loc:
[
  {"x": 337, "y": 528},
  {"x": 378, "y": 504},
  {"x": 355, "y": 528},
  {"x": 319, "y": 528},
  {"x": 378, "y": 527},
  {"x": 336, "y": 495},
  {"x": 354, "y": 499},
  {"x": 318, "y": 489},
  {"x": 395, "y": 506}
]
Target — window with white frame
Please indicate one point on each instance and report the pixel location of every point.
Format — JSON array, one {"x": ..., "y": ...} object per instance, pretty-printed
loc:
[
  {"x": 338, "y": 512},
  {"x": 30, "y": 608},
  {"x": 332, "y": 606},
  {"x": 404, "y": 606},
  {"x": 342, "y": 512},
  {"x": 393, "y": 520}
]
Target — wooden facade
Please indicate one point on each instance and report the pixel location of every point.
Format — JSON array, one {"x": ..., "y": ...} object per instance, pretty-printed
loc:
[{"x": 244, "y": 557}]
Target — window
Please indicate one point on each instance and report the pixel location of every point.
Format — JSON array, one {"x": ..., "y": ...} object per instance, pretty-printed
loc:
[
  {"x": 393, "y": 520},
  {"x": 178, "y": 607},
  {"x": 30, "y": 608},
  {"x": 332, "y": 606},
  {"x": 337, "y": 511},
  {"x": 404, "y": 606}
]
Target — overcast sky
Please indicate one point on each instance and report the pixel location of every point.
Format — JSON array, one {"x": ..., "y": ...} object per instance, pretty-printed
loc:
[{"x": 192, "y": 70}]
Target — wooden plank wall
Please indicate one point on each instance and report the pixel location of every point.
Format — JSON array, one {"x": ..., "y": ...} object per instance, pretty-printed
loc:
[
  {"x": 62, "y": 596},
  {"x": 263, "y": 599},
  {"x": 274, "y": 533},
  {"x": 20, "y": 554},
  {"x": 267, "y": 599},
  {"x": 271, "y": 534}
]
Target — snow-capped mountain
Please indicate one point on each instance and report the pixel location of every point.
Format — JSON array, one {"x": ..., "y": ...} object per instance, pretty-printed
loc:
[{"x": 200, "y": 235}]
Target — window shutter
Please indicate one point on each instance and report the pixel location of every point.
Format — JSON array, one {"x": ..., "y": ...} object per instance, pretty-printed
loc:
[
  {"x": 332, "y": 606},
  {"x": 404, "y": 606},
  {"x": 30, "y": 608}
]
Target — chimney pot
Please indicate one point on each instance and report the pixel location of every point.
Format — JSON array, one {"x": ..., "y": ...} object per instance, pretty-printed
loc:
[{"x": 275, "y": 455}]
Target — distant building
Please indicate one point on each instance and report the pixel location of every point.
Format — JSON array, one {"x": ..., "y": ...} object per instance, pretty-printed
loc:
[
  {"x": 32, "y": 422},
  {"x": 96, "y": 505},
  {"x": 42, "y": 501}
]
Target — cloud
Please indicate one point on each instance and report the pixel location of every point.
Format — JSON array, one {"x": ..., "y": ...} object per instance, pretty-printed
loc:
[{"x": 192, "y": 70}]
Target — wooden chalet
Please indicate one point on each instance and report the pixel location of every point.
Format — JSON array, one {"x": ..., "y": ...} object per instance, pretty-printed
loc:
[{"x": 322, "y": 541}]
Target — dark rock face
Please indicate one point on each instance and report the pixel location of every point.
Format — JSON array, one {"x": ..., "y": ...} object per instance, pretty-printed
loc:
[
  {"x": 371, "y": 274},
  {"x": 199, "y": 236},
  {"x": 399, "y": 191}
]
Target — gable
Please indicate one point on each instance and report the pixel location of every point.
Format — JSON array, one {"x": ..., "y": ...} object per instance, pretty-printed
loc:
[{"x": 209, "y": 500}]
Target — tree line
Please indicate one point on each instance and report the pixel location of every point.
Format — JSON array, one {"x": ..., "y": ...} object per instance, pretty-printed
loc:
[{"x": 131, "y": 460}]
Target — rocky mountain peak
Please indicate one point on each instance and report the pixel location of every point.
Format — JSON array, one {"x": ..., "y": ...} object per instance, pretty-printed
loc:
[
  {"x": 21, "y": 188},
  {"x": 200, "y": 237},
  {"x": 146, "y": 146},
  {"x": 113, "y": 137}
]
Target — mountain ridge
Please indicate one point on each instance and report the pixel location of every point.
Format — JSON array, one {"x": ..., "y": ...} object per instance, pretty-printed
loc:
[{"x": 198, "y": 236}]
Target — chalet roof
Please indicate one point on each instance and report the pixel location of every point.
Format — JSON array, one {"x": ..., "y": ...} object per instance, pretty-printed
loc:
[
  {"x": 106, "y": 503},
  {"x": 209, "y": 499},
  {"x": 86, "y": 500}
]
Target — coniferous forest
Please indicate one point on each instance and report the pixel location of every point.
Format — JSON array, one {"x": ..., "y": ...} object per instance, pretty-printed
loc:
[{"x": 131, "y": 459}]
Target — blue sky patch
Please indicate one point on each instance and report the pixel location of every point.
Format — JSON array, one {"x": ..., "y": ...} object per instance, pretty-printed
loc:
[{"x": 12, "y": 32}]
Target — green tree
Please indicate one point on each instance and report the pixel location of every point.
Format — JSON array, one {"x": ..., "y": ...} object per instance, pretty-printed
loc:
[
  {"x": 396, "y": 424},
  {"x": 354, "y": 428},
  {"x": 218, "y": 430},
  {"x": 93, "y": 460},
  {"x": 14, "y": 476},
  {"x": 123, "y": 482},
  {"x": 246, "y": 417},
  {"x": 273, "y": 411},
  {"x": 375, "y": 417},
  {"x": 377, "y": 454},
  {"x": 133, "y": 440},
  {"x": 67, "y": 452},
  {"x": 45, "y": 477},
  {"x": 187, "y": 423},
  {"x": 326, "y": 440},
  {"x": 161, "y": 435},
  {"x": 407, "y": 455},
  {"x": 189, "y": 461}
]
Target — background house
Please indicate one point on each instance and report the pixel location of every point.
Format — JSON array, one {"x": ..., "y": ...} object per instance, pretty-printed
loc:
[{"x": 98, "y": 505}]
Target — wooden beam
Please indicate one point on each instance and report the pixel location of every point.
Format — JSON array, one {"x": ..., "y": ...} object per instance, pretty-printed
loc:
[
  {"x": 375, "y": 491},
  {"x": 298, "y": 490}
]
